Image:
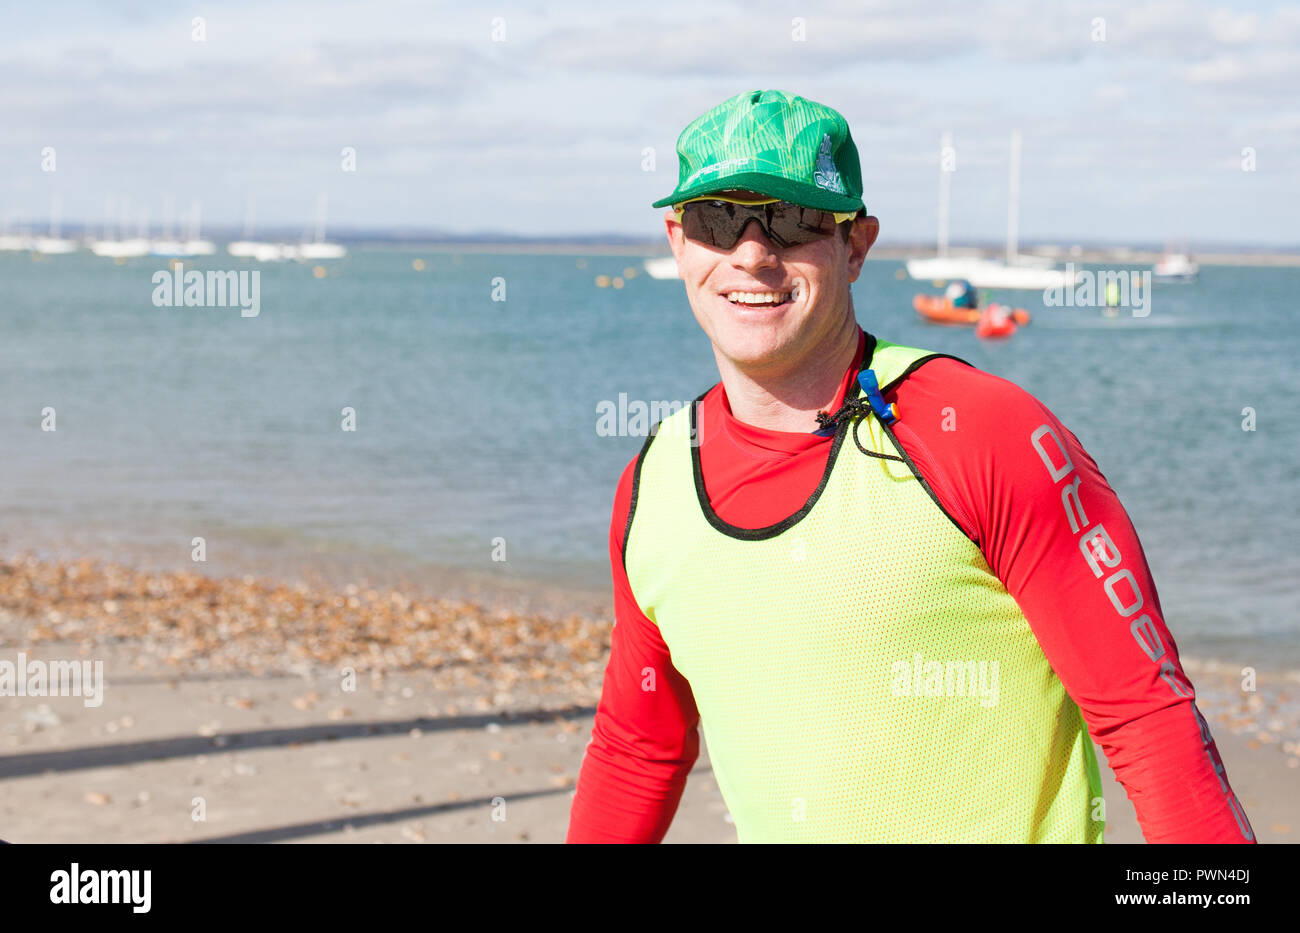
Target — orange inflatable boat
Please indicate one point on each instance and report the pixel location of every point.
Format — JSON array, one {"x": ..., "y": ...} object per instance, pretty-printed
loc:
[{"x": 937, "y": 309}]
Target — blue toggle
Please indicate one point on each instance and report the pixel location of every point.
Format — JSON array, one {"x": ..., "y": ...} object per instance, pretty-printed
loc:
[{"x": 888, "y": 414}]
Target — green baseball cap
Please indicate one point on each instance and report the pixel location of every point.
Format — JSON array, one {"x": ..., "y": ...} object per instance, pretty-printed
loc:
[{"x": 772, "y": 143}]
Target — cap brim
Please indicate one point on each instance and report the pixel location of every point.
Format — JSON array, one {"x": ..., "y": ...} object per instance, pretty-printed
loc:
[{"x": 773, "y": 186}]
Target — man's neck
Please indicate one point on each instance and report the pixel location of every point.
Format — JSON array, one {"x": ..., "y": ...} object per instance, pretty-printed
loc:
[{"x": 790, "y": 400}]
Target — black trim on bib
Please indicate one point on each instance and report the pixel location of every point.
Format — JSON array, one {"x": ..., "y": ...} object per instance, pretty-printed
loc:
[
  {"x": 771, "y": 531},
  {"x": 906, "y": 457},
  {"x": 917, "y": 364},
  {"x": 921, "y": 479},
  {"x": 636, "y": 473}
]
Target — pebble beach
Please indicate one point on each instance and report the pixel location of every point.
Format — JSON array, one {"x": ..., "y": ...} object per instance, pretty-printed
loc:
[{"x": 256, "y": 710}]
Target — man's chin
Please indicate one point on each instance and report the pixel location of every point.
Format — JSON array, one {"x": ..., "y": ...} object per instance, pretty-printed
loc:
[{"x": 755, "y": 347}]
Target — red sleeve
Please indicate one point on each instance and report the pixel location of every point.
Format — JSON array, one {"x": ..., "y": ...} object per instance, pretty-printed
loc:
[
  {"x": 1060, "y": 541},
  {"x": 644, "y": 741}
]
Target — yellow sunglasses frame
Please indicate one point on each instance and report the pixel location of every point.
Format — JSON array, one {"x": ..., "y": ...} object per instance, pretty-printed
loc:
[{"x": 680, "y": 209}]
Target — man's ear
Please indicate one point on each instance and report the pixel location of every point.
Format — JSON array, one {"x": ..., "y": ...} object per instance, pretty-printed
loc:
[{"x": 861, "y": 238}]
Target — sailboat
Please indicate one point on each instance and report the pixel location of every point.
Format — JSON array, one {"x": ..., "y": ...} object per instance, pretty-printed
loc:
[
  {"x": 319, "y": 249},
  {"x": 1017, "y": 272},
  {"x": 1175, "y": 267},
  {"x": 260, "y": 251},
  {"x": 167, "y": 245},
  {"x": 110, "y": 246},
  {"x": 10, "y": 241},
  {"x": 257, "y": 250},
  {"x": 54, "y": 244},
  {"x": 192, "y": 245},
  {"x": 121, "y": 249},
  {"x": 662, "y": 267}
]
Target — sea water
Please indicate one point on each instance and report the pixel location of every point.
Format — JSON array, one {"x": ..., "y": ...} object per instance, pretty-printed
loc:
[{"x": 474, "y": 387}]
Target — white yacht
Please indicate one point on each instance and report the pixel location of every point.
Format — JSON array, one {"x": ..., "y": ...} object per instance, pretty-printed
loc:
[
  {"x": 111, "y": 246},
  {"x": 1016, "y": 272},
  {"x": 319, "y": 248},
  {"x": 662, "y": 267},
  {"x": 258, "y": 250},
  {"x": 1175, "y": 267},
  {"x": 192, "y": 245},
  {"x": 54, "y": 244}
]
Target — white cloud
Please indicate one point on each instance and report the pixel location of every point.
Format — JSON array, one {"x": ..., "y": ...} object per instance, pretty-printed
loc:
[{"x": 565, "y": 106}]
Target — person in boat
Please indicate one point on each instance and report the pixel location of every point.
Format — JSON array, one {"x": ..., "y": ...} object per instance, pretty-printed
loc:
[
  {"x": 961, "y": 294},
  {"x": 896, "y": 592},
  {"x": 997, "y": 314}
]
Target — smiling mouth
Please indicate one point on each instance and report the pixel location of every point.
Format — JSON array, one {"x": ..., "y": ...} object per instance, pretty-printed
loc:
[{"x": 766, "y": 299}]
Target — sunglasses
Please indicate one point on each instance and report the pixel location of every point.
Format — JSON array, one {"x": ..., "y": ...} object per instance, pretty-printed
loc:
[{"x": 720, "y": 222}]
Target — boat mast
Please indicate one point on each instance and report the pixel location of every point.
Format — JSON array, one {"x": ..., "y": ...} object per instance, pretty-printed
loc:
[
  {"x": 1013, "y": 205},
  {"x": 108, "y": 218},
  {"x": 320, "y": 218},
  {"x": 945, "y": 146},
  {"x": 167, "y": 218}
]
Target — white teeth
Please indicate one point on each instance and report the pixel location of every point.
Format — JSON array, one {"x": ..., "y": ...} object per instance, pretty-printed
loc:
[{"x": 759, "y": 298}]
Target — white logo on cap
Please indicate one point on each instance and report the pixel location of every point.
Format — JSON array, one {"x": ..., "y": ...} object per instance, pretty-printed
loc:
[
  {"x": 715, "y": 167},
  {"x": 826, "y": 175}
]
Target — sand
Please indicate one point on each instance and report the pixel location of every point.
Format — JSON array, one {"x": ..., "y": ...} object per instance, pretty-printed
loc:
[{"x": 229, "y": 715}]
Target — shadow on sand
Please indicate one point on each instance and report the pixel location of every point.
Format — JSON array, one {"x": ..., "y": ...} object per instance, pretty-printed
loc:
[
  {"x": 129, "y": 753},
  {"x": 362, "y": 820}
]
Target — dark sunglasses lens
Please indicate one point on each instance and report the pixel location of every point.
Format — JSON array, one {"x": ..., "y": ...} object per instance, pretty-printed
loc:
[
  {"x": 795, "y": 225},
  {"x": 716, "y": 222},
  {"x": 720, "y": 223}
]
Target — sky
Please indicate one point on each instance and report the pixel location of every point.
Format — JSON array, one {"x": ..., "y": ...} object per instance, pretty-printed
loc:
[{"x": 1163, "y": 122}]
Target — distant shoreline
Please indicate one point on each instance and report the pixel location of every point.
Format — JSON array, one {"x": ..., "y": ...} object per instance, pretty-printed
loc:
[
  {"x": 1120, "y": 256},
  {"x": 1063, "y": 250}
]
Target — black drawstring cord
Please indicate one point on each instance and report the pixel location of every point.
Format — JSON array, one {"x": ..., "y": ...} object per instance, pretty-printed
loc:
[
  {"x": 857, "y": 411},
  {"x": 856, "y": 408}
]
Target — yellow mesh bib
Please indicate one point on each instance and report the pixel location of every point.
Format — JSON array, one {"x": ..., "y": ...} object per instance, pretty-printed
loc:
[{"x": 861, "y": 674}]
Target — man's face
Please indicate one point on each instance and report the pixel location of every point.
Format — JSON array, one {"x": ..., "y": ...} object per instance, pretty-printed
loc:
[{"x": 810, "y": 282}]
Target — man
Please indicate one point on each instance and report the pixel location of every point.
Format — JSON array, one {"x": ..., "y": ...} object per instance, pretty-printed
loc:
[
  {"x": 895, "y": 591},
  {"x": 961, "y": 294}
]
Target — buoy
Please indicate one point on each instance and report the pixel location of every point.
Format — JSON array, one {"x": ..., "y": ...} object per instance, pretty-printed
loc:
[{"x": 417, "y": 265}]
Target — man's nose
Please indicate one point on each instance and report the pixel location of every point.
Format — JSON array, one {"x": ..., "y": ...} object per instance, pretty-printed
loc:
[{"x": 754, "y": 246}]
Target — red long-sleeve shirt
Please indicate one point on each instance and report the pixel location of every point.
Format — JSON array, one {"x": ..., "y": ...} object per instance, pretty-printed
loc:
[{"x": 969, "y": 434}]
